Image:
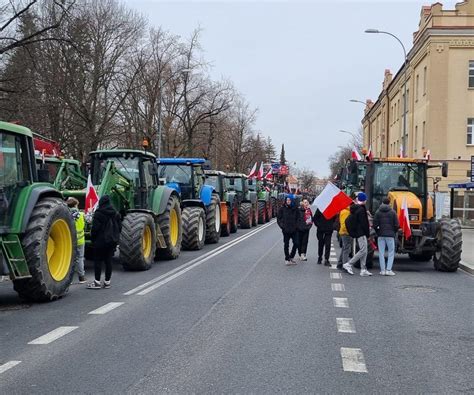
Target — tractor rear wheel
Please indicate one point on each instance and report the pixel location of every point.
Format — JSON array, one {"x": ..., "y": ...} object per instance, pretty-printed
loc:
[
  {"x": 269, "y": 211},
  {"x": 194, "y": 228},
  {"x": 213, "y": 220},
  {"x": 137, "y": 241},
  {"x": 246, "y": 215},
  {"x": 255, "y": 214},
  {"x": 172, "y": 229},
  {"x": 225, "y": 230},
  {"x": 262, "y": 212},
  {"x": 49, "y": 246},
  {"x": 449, "y": 241},
  {"x": 235, "y": 219},
  {"x": 274, "y": 207},
  {"x": 423, "y": 257}
]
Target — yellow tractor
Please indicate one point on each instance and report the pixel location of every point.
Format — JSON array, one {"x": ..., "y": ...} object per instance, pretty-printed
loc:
[{"x": 407, "y": 179}]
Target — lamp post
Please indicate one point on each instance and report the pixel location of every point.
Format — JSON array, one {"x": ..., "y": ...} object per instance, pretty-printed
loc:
[
  {"x": 347, "y": 132},
  {"x": 404, "y": 84},
  {"x": 370, "y": 128}
]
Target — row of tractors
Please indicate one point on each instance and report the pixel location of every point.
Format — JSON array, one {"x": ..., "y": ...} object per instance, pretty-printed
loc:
[{"x": 166, "y": 205}]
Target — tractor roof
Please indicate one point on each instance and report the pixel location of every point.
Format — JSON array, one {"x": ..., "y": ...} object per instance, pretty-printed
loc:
[
  {"x": 121, "y": 151},
  {"x": 181, "y": 161},
  {"x": 14, "y": 128},
  {"x": 214, "y": 173},
  {"x": 396, "y": 159},
  {"x": 236, "y": 175}
]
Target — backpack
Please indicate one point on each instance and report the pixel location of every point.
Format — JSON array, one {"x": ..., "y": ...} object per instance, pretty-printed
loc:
[
  {"x": 111, "y": 231},
  {"x": 351, "y": 224}
]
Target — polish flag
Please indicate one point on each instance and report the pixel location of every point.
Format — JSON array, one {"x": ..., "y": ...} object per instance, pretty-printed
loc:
[
  {"x": 260, "y": 172},
  {"x": 404, "y": 219},
  {"x": 253, "y": 171},
  {"x": 91, "y": 196},
  {"x": 269, "y": 175},
  {"x": 331, "y": 201},
  {"x": 370, "y": 155},
  {"x": 401, "y": 151},
  {"x": 428, "y": 155},
  {"x": 43, "y": 155},
  {"x": 355, "y": 155}
]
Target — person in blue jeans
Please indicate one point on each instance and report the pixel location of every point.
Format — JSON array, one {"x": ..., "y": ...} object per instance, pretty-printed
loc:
[{"x": 386, "y": 226}]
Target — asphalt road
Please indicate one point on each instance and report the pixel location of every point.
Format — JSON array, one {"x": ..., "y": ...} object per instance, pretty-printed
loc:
[{"x": 234, "y": 319}]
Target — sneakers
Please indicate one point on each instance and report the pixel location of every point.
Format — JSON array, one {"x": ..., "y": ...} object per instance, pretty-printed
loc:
[
  {"x": 94, "y": 285},
  {"x": 290, "y": 262},
  {"x": 320, "y": 260},
  {"x": 347, "y": 268},
  {"x": 365, "y": 273},
  {"x": 287, "y": 262},
  {"x": 82, "y": 279},
  {"x": 107, "y": 284},
  {"x": 327, "y": 263},
  {"x": 383, "y": 273},
  {"x": 303, "y": 257},
  {"x": 389, "y": 273}
]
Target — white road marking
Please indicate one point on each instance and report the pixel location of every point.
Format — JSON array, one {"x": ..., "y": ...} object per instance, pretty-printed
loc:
[
  {"x": 200, "y": 261},
  {"x": 353, "y": 360},
  {"x": 333, "y": 253},
  {"x": 53, "y": 335},
  {"x": 333, "y": 266},
  {"x": 106, "y": 308},
  {"x": 335, "y": 276},
  {"x": 193, "y": 261},
  {"x": 340, "y": 302},
  {"x": 338, "y": 287},
  {"x": 8, "y": 365},
  {"x": 345, "y": 325}
]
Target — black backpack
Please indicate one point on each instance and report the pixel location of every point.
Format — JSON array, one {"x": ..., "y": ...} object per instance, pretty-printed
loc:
[
  {"x": 351, "y": 224},
  {"x": 112, "y": 230}
]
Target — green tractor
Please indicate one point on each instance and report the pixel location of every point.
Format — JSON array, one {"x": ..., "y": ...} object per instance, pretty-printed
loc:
[
  {"x": 151, "y": 213},
  {"x": 229, "y": 201},
  {"x": 265, "y": 204},
  {"x": 246, "y": 199},
  {"x": 37, "y": 232},
  {"x": 63, "y": 173}
]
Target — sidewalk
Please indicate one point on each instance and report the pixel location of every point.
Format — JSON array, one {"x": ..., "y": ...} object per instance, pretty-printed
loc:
[{"x": 467, "y": 257}]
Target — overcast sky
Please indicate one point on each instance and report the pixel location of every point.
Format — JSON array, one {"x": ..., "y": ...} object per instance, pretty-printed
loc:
[{"x": 299, "y": 62}]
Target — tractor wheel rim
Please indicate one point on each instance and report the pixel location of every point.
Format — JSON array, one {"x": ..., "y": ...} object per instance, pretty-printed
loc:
[
  {"x": 200, "y": 228},
  {"x": 218, "y": 218},
  {"x": 147, "y": 242},
  {"x": 174, "y": 227},
  {"x": 59, "y": 250}
]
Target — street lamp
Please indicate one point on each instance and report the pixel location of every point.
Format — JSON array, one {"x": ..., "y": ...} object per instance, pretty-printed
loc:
[
  {"x": 347, "y": 132},
  {"x": 404, "y": 84},
  {"x": 160, "y": 105},
  {"x": 370, "y": 129},
  {"x": 358, "y": 101}
]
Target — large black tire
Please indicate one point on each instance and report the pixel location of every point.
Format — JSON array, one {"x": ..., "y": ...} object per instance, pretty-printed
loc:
[
  {"x": 171, "y": 226},
  {"x": 137, "y": 241},
  {"x": 262, "y": 212},
  {"x": 448, "y": 255},
  {"x": 269, "y": 211},
  {"x": 423, "y": 257},
  {"x": 213, "y": 220},
  {"x": 246, "y": 215},
  {"x": 225, "y": 230},
  {"x": 235, "y": 219},
  {"x": 255, "y": 214},
  {"x": 194, "y": 228},
  {"x": 50, "y": 221},
  {"x": 274, "y": 207}
]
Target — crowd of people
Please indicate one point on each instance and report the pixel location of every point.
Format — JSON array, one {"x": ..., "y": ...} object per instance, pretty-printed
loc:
[{"x": 352, "y": 226}]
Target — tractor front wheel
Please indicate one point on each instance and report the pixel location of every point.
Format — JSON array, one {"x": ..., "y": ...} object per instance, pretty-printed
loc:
[
  {"x": 213, "y": 220},
  {"x": 235, "y": 219},
  {"x": 172, "y": 229},
  {"x": 262, "y": 212},
  {"x": 137, "y": 241},
  {"x": 49, "y": 246},
  {"x": 449, "y": 242},
  {"x": 194, "y": 228},
  {"x": 255, "y": 214},
  {"x": 246, "y": 215}
]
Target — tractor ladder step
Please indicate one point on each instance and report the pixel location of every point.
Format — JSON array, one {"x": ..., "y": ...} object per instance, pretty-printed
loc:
[{"x": 14, "y": 257}]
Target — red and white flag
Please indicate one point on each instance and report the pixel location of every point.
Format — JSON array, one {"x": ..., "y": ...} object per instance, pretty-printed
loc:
[
  {"x": 428, "y": 155},
  {"x": 253, "y": 171},
  {"x": 331, "y": 201},
  {"x": 91, "y": 196},
  {"x": 404, "y": 219},
  {"x": 269, "y": 175},
  {"x": 43, "y": 154},
  {"x": 260, "y": 172},
  {"x": 355, "y": 155},
  {"x": 370, "y": 155},
  {"x": 401, "y": 151}
]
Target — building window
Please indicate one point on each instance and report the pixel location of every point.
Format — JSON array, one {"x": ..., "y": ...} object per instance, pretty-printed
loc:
[
  {"x": 425, "y": 72},
  {"x": 423, "y": 135},
  {"x": 415, "y": 145},
  {"x": 470, "y": 130},
  {"x": 471, "y": 74},
  {"x": 417, "y": 87}
]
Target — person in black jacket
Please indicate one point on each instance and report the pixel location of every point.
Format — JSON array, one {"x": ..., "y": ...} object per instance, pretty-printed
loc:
[
  {"x": 287, "y": 219},
  {"x": 305, "y": 224},
  {"x": 386, "y": 226},
  {"x": 105, "y": 234},
  {"x": 325, "y": 227},
  {"x": 357, "y": 224}
]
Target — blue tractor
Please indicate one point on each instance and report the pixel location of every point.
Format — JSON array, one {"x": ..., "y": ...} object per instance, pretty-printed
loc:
[{"x": 200, "y": 203}]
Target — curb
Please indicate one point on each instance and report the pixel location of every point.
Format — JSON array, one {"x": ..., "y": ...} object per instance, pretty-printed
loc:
[{"x": 467, "y": 267}]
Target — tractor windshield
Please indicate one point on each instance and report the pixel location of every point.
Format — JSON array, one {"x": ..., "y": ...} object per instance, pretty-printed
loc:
[
  {"x": 252, "y": 184},
  {"x": 129, "y": 167},
  {"x": 176, "y": 173},
  {"x": 52, "y": 167},
  {"x": 213, "y": 181},
  {"x": 234, "y": 184}
]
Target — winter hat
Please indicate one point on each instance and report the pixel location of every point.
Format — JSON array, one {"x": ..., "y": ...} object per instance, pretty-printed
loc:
[
  {"x": 361, "y": 197},
  {"x": 291, "y": 197}
]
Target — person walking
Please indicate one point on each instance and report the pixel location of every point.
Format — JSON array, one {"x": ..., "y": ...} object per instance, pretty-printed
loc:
[
  {"x": 357, "y": 224},
  {"x": 325, "y": 227},
  {"x": 346, "y": 239},
  {"x": 79, "y": 220},
  {"x": 304, "y": 227},
  {"x": 386, "y": 226},
  {"x": 105, "y": 234},
  {"x": 287, "y": 219}
]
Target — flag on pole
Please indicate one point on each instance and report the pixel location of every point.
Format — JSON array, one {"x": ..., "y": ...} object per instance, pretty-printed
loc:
[
  {"x": 404, "y": 219},
  {"x": 260, "y": 172},
  {"x": 355, "y": 155},
  {"x": 370, "y": 155},
  {"x": 401, "y": 151},
  {"x": 331, "y": 201},
  {"x": 43, "y": 154},
  {"x": 269, "y": 175},
  {"x": 428, "y": 155},
  {"x": 91, "y": 196},
  {"x": 253, "y": 171}
]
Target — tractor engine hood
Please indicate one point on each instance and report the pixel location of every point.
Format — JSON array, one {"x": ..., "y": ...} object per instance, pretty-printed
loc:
[{"x": 415, "y": 207}]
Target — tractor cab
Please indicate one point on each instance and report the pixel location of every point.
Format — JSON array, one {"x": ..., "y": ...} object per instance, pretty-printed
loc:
[
  {"x": 237, "y": 182},
  {"x": 216, "y": 179}
]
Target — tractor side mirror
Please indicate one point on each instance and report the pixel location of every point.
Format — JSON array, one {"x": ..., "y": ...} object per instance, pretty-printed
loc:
[
  {"x": 444, "y": 169},
  {"x": 43, "y": 175}
]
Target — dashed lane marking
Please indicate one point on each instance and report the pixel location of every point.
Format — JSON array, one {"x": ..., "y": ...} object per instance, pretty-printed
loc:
[
  {"x": 353, "y": 360},
  {"x": 53, "y": 335},
  {"x": 335, "y": 276},
  {"x": 8, "y": 366},
  {"x": 340, "y": 302},
  {"x": 106, "y": 308},
  {"x": 338, "y": 287},
  {"x": 345, "y": 325}
]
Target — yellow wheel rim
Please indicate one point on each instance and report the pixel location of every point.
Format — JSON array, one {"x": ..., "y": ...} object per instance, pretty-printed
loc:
[
  {"x": 59, "y": 250},
  {"x": 147, "y": 242},
  {"x": 174, "y": 227}
]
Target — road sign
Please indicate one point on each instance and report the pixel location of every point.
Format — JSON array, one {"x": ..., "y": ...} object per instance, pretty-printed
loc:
[{"x": 472, "y": 168}]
